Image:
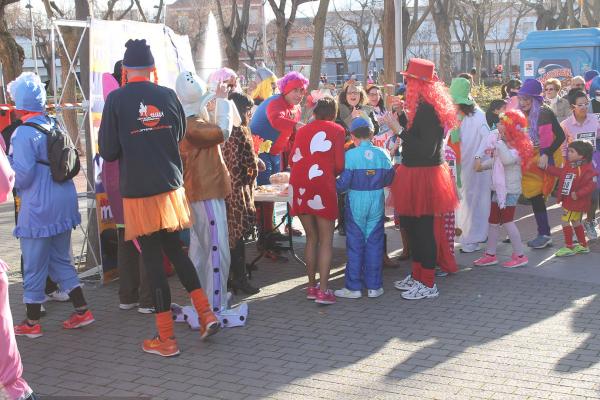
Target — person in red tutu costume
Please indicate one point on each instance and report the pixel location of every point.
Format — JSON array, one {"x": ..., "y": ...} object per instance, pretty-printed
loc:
[
  {"x": 423, "y": 186},
  {"x": 317, "y": 158}
]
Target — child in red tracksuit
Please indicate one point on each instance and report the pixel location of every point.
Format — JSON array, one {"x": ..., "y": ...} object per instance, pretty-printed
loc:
[{"x": 577, "y": 183}]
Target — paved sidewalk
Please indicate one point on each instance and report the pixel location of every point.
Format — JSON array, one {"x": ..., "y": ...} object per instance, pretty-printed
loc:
[{"x": 529, "y": 333}]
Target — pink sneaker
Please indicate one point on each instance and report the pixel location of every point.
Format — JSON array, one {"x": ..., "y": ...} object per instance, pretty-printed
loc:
[
  {"x": 516, "y": 261},
  {"x": 325, "y": 297},
  {"x": 311, "y": 292},
  {"x": 486, "y": 260}
]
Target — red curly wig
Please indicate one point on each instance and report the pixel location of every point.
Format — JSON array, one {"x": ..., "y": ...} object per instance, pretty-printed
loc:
[
  {"x": 434, "y": 93},
  {"x": 516, "y": 135}
]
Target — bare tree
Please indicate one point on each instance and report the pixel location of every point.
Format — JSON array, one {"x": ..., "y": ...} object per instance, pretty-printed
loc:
[
  {"x": 251, "y": 46},
  {"x": 412, "y": 22},
  {"x": 442, "y": 12},
  {"x": 420, "y": 44},
  {"x": 476, "y": 19},
  {"x": 337, "y": 31},
  {"x": 11, "y": 54},
  {"x": 319, "y": 37},
  {"x": 505, "y": 40},
  {"x": 234, "y": 30},
  {"x": 283, "y": 25},
  {"x": 365, "y": 22}
]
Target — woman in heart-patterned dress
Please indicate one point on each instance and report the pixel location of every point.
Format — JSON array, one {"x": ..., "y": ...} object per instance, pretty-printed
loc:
[{"x": 317, "y": 157}]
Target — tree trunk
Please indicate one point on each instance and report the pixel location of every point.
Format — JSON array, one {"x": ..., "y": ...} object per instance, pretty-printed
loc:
[
  {"x": 440, "y": 11},
  {"x": 389, "y": 42},
  {"x": 280, "y": 47},
  {"x": 317, "y": 55},
  {"x": 365, "y": 67},
  {"x": 11, "y": 54},
  {"x": 233, "y": 58}
]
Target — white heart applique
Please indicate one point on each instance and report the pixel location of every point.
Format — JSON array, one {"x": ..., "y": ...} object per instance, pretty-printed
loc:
[
  {"x": 314, "y": 172},
  {"x": 301, "y": 191},
  {"x": 299, "y": 200},
  {"x": 297, "y": 155},
  {"x": 319, "y": 143},
  {"x": 316, "y": 203}
]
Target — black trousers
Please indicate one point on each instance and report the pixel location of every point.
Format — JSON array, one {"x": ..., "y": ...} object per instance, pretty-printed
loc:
[
  {"x": 421, "y": 239},
  {"x": 153, "y": 246}
]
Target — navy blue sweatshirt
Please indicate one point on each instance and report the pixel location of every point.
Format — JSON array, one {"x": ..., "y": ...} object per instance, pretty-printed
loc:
[{"x": 142, "y": 124}]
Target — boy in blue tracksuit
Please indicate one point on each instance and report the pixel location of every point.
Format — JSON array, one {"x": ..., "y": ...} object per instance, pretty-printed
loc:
[{"x": 368, "y": 170}]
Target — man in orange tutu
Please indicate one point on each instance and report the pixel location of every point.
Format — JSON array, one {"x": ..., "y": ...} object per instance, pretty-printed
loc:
[
  {"x": 142, "y": 124},
  {"x": 423, "y": 186}
]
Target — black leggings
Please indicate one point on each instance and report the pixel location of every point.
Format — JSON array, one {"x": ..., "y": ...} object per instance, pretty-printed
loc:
[
  {"x": 538, "y": 204},
  {"x": 153, "y": 246},
  {"x": 421, "y": 239}
]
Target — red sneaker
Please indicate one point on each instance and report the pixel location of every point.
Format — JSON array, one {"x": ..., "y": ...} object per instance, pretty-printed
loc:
[
  {"x": 311, "y": 292},
  {"x": 32, "y": 332},
  {"x": 209, "y": 324},
  {"x": 79, "y": 320},
  {"x": 325, "y": 297},
  {"x": 163, "y": 348}
]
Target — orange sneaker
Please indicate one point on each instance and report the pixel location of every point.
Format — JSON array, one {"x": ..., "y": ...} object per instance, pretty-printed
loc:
[
  {"x": 79, "y": 320},
  {"x": 209, "y": 324},
  {"x": 32, "y": 332},
  {"x": 163, "y": 348}
]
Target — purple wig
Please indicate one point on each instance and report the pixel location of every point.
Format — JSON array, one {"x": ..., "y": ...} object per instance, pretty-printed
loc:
[
  {"x": 533, "y": 119},
  {"x": 290, "y": 77}
]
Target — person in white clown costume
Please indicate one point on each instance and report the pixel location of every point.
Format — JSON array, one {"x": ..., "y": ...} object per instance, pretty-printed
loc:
[{"x": 210, "y": 118}]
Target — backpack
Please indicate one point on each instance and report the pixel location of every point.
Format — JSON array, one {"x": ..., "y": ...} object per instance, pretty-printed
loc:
[{"x": 63, "y": 157}]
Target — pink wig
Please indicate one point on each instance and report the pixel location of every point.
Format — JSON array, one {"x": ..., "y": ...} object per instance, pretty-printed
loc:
[
  {"x": 289, "y": 81},
  {"x": 434, "y": 93},
  {"x": 222, "y": 75}
]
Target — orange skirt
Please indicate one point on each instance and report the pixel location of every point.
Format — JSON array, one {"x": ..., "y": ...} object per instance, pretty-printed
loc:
[{"x": 146, "y": 215}]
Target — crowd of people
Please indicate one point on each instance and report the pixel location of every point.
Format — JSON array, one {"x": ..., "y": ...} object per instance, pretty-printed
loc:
[{"x": 191, "y": 158}]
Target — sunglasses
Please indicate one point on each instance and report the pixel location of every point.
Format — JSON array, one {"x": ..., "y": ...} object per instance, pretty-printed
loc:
[{"x": 550, "y": 89}]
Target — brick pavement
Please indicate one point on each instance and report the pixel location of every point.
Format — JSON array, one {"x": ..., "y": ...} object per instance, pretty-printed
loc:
[{"x": 493, "y": 334}]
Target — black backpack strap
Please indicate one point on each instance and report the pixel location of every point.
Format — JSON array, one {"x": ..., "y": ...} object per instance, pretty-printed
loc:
[
  {"x": 41, "y": 129},
  {"x": 37, "y": 126}
]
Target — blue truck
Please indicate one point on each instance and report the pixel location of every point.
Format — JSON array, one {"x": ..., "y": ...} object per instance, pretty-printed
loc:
[{"x": 560, "y": 54}]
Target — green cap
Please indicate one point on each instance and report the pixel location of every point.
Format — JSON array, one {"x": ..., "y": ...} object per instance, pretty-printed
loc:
[{"x": 460, "y": 90}]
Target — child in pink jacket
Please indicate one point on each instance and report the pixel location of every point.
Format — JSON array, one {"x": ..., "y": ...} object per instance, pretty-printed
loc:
[{"x": 12, "y": 385}]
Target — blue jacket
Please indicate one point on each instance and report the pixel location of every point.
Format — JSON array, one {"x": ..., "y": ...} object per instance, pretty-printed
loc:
[
  {"x": 368, "y": 169},
  {"x": 260, "y": 125},
  {"x": 48, "y": 208}
]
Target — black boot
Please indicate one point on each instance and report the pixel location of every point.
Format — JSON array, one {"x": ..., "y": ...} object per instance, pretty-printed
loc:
[{"x": 238, "y": 273}]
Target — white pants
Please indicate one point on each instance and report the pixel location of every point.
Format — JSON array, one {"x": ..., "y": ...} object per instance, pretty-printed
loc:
[{"x": 209, "y": 250}]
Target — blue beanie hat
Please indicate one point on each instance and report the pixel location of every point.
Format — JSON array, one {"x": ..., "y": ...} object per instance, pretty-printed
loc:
[
  {"x": 138, "y": 55},
  {"x": 589, "y": 75},
  {"x": 28, "y": 92}
]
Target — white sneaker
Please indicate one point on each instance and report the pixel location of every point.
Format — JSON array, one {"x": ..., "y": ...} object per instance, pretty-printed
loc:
[
  {"x": 348, "y": 294},
  {"x": 373, "y": 293},
  {"x": 146, "y": 310},
  {"x": 128, "y": 306},
  {"x": 421, "y": 291},
  {"x": 57, "y": 295},
  {"x": 470, "y": 248},
  {"x": 405, "y": 284}
]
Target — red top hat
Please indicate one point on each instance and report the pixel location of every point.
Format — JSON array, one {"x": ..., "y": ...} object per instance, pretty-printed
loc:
[{"x": 418, "y": 68}]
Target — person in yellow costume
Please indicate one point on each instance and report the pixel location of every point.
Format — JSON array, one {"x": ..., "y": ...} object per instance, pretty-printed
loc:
[{"x": 547, "y": 137}]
